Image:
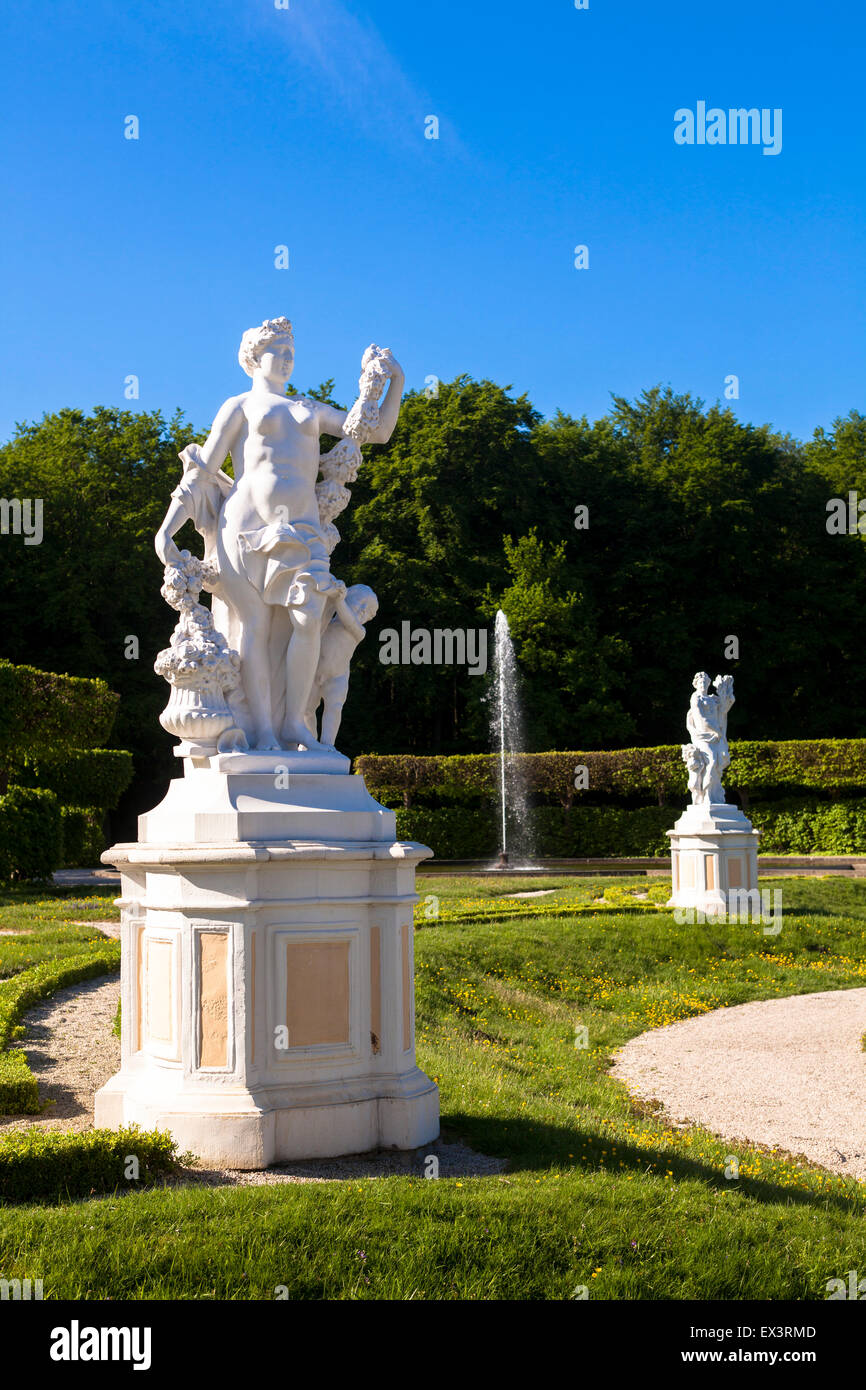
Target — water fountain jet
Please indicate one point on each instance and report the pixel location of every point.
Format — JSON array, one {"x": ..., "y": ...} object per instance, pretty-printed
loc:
[{"x": 506, "y": 725}]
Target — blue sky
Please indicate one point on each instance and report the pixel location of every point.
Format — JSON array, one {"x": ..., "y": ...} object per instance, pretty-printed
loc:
[{"x": 305, "y": 127}]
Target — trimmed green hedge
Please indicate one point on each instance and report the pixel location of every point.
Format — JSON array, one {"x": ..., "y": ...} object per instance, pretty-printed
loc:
[
  {"x": 19, "y": 1094},
  {"x": 83, "y": 840},
  {"x": 460, "y": 832},
  {"x": 81, "y": 777},
  {"x": 38, "y": 836},
  {"x": 48, "y": 726},
  {"x": 811, "y": 827},
  {"x": 43, "y": 711},
  {"x": 805, "y": 826},
  {"x": 31, "y": 834},
  {"x": 833, "y": 767},
  {"x": 50, "y": 1165}
]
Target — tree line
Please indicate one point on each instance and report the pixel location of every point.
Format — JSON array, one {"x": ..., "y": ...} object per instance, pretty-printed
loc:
[{"x": 626, "y": 552}]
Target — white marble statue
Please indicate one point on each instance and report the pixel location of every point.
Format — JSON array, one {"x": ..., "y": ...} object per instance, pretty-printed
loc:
[
  {"x": 708, "y": 755},
  {"x": 268, "y": 538}
]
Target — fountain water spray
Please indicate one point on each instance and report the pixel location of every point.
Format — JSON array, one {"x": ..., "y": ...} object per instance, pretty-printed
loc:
[{"x": 507, "y": 731}]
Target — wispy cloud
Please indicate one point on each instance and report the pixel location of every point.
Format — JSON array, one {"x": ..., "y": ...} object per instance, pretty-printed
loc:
[{"x": 358, "y": 70}]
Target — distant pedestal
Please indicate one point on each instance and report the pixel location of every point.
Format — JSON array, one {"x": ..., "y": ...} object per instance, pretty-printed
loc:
[
  {"x": 267, "y": 966},
  {"x": 714, "y": 859}
]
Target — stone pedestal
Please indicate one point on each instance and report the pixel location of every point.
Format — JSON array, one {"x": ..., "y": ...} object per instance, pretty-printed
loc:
[
  {"x": 267, "y": 968},
  {"x": 714, "y": 859}
]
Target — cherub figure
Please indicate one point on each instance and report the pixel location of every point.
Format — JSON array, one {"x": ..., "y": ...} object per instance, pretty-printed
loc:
[
  {"x": 696, "y": 764},
  {"x": 339, "y": 640}
]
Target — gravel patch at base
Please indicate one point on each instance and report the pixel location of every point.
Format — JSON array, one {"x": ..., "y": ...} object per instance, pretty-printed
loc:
[
  {"x": 455, "y": 1161},
  {"x": 784, "y": 1073}
]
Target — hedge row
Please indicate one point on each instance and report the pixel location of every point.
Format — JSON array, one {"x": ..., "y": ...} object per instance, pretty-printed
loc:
[
  {"x": 49, "y": 1165},
  {"x": 88, "y": 777},
  {"x": 83, "y": 838},
  {"x": 31, "y": 834},
  {"x": 42, "y": 711},
  {"x": 19, "y": 1094},
  {"x": 804, "y": 826},
  {"x": 37, "y": 835},
  {"x": 833, "y": 767}
]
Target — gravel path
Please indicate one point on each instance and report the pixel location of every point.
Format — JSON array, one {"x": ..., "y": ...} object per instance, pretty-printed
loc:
[
  {"x": 72, "y": 1051},
  {"x": 789, "y": 1073}
]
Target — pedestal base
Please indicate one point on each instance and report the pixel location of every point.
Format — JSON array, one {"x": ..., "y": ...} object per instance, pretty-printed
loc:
[
  {"x": 714, "y": 861},
  {"x": 268, "y": 971},
  {"x": 255, "y": 1128}
]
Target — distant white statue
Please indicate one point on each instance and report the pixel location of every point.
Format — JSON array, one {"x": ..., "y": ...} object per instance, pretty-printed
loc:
[
  {"x": 268, "y": 538},
  {"x": 708, "y": 755}
]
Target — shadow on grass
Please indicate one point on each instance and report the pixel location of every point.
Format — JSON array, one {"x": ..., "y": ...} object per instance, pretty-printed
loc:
[{"x": 532, "y": 1145}]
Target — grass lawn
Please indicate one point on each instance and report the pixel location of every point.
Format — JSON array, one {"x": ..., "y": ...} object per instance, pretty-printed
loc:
[
  {"x": 597, "y": 1195},
  {"x": 50, "y": 924}
]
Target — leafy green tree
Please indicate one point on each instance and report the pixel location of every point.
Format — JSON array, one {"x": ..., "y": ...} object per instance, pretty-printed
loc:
[
  {"x": 570, "y": 670},
  {"x": 86, "y": 601},
  {"x": 425, "y": 529},
  {"x": 702, "y": 528},
  {"x": 839, "y": 456}
]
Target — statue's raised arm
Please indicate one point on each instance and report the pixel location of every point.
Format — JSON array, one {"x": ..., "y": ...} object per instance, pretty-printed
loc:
[{"x": 724, "y": 687}]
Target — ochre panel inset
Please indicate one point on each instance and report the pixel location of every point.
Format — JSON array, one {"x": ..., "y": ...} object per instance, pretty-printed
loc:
[
  {"x": 407, "y": 990},
  {"x": 159, "y": 990},
  {"x": 711, "y": 871},
  {"x": 253, "y": 1023},
  {"x": 214, "y": 991},
  {"x": 139, "y": 991},
  {"x": 375, "y": 990},
  {"x": 317, "y": 993},
  {"x": 735, "y": 873},
  {"x": 687, "y": 870}
]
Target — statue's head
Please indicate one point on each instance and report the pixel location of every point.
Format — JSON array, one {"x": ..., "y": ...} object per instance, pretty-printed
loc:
[
  {"x": 363, "y": 602},
  {"x": 702, "y": 683},
  {"x": 270, "y": 349}
]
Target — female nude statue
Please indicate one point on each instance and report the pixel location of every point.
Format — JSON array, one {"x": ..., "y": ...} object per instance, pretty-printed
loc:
[{"x": 270, "y": 549}]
